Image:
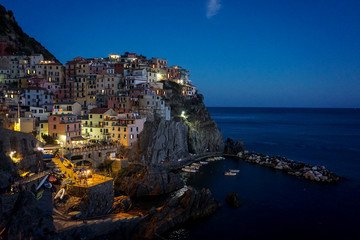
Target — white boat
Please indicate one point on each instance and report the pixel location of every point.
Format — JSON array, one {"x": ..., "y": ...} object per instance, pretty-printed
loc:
[
  {"x": 234, "y": 170},
  {"x": 210, "y": 159},
  {"x": 60, "y": 194},
  {"x": 203, "y": 163},
  {"x": 230, "y": 174},
  {"x": 42, "y": 182},
  {"x": 193, "y": 166},
  {"x": 188, "y": 170}
]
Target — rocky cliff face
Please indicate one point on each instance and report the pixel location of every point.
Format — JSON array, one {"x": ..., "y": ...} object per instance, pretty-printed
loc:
[
  {"x": 165, "y": 141},
  {"x": 23, "y": 145},
  {"x": 12, "y": 33},
  {"x": 139, "y": 181},
  {"x": 26, "y": 220},
  {"x": 187, "y": 205},
  {"x": 195, "y": 132}
]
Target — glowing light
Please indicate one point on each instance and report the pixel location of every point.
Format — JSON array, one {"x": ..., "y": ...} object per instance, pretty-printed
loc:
[
  {"x": 17, "y": 126},
  {"x": 13, "y": 157},
  {"x": 183, "y": 115}
]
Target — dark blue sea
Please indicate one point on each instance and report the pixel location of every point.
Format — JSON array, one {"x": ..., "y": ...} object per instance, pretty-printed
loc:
[{"x": 277, "y": 205}]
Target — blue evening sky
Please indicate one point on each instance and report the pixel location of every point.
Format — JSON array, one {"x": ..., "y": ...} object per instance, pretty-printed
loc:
[{"x": 254, "y": 53}]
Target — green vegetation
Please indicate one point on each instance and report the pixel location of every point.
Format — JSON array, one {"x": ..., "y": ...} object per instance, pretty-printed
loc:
[
  {"x": 106, "y": 166},
  {"x": 49, "y": 139}
]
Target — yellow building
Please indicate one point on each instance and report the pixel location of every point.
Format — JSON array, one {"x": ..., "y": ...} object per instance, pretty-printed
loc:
[
  {"x": 43, "y": 130},
  {"x": 125, "y": 129},
  {"x": 51, "y": 71},
  {"x": 85, "y": 90},
  {"x": 93, "y": 127}
]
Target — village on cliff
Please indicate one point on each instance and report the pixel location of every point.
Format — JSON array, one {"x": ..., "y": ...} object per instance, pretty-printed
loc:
[{"x": 89, "y": 100}]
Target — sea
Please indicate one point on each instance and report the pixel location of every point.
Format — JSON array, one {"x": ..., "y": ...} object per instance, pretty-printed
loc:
[{"x": 276, "y": 205}]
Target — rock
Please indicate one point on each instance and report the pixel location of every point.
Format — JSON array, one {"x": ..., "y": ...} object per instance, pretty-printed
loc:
[
  {"x": 279, "y": 166},
  {"x": 121, "y": 204},
  {"x": 28, "y": 221},
  {"x": 240, "y": 155},
  {"x": 8, "y": 172},
  {"x": 311, "y": 175},
  {"x": 185, "y": 206},
  {"x": 139, "y": 181},
  {"x": 232, "y": 147},
  {"x": 233, "y": 200},
  {"x": 164, "y": 141},
  {"x": 68, "y": 204}
]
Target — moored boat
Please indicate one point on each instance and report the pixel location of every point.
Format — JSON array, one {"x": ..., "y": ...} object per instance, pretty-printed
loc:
[
  {"x": 203, "y": 163},
  {"x": 42, "y": 182},
  {"x": 188, "y": 170},
  {"x": 230, "y": 174},
  {"x": 60, "y": 194},
  {"x": 234, "y": 170}
]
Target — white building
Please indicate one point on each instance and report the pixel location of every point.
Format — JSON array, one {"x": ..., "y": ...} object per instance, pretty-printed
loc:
[{"x": 36, "y": 97}]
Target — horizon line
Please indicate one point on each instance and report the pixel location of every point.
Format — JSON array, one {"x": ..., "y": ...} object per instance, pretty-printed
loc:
[{"x": 287, "y": 107}]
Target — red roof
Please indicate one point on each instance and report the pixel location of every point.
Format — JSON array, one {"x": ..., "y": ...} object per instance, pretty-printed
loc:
[{"x": 99, "y": 110}]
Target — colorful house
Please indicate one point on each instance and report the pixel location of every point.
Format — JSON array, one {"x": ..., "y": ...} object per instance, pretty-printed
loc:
[
  {"x": 64, "y": 127},
  {"x": 94, "y": 126}
]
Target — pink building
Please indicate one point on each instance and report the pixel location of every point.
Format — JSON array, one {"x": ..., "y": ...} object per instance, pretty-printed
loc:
[{"x": 64, "y": 127}]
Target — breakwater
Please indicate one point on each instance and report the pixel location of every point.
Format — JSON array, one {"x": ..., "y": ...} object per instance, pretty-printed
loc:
[{"x": 311, "y": 172}]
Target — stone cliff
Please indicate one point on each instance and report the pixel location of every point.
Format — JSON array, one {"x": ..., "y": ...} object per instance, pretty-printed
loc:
[
  {"x": 26, "y": 158},
  {"x": 139, "y": 181},
  {"x": 187, "y": 205},
  {"x": 190, "y": 130}
]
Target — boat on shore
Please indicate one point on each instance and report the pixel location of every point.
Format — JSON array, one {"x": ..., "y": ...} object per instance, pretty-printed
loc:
[
  {"x": 203, "y": 163},
  {"x": 230, "y": 174},
  {"x": 60, "y": 194},
  {"x": 42, "y": 182},
  {"x": 184, "y": 169}
]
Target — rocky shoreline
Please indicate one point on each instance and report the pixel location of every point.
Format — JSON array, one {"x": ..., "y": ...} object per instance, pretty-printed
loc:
[{"x": 303, "y": 170}]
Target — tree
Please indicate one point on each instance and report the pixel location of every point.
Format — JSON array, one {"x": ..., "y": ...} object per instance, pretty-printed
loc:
[{"x": 49, "y": 139}]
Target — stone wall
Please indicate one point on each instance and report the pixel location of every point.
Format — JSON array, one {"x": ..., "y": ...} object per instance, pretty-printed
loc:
[{"x": 96, "y": 200}]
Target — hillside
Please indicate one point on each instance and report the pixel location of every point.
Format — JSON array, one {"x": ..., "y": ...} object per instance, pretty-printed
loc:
[{"x": 11, "y": 32}]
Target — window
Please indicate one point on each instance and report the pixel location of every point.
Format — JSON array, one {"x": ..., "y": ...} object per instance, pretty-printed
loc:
[
  {"x": 124, "y": 136},
  {"x": 130, "y": 129},
  {"x": 41, "y": 125},
  {"x": 54, "y": 118},
  {"x": 90, "y": 129},
  {"x": 124, "y": 129},
  {"x": 131, "y": 136},
  {"x": 100, "y": 116},
  {"x": 54, "y": 126},
  {"x": 90, "y": 116}
]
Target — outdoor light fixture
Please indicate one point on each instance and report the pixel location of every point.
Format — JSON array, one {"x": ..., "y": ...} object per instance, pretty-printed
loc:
[{"x": 183, "y": 115}]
